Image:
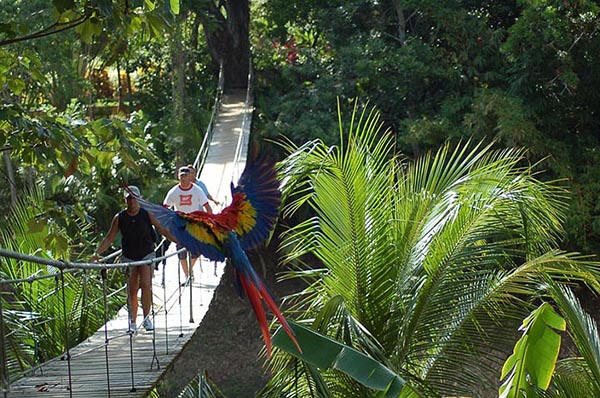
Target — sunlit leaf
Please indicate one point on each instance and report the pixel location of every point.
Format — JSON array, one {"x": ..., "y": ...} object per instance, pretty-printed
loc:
[
  {"x": 88, "y": 29},
  {"x": 174, "y": 4},
  {"x": 16, "y": 85},
  {"x": 149, "y": 5},
  {"x": 36, "y": 225},
  {"x": 534, "y": 357},
  {"x": 326, "y": 353}
]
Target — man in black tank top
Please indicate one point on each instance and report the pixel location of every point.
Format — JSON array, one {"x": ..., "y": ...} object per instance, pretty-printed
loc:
[
  {"x": 137, "y": 236},
  {"x": 137, "y": 243}
]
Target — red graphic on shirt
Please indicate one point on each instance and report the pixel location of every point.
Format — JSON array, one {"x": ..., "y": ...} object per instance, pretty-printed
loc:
[{"x": 185, "y": 200}]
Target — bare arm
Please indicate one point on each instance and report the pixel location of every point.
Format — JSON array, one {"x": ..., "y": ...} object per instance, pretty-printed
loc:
[
  {"x": 209, "y": 196},
  {"x": 207, "y": 208},
  {"x": 110, "y": 236},
  {"x": 163, "y": 231}
]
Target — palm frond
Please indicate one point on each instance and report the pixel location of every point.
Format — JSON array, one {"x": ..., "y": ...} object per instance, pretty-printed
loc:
[
  {"x": 584, "y": 332},
  {"x": 436, "y": 263}
]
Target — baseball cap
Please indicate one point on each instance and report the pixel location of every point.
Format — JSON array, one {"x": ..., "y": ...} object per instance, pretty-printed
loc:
[
  {"x": 132, "y": 189},
  {"x": 184, "y": 170}
]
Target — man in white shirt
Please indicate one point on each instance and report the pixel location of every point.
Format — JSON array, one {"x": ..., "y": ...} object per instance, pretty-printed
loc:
[{"x": 186, "y": 197}]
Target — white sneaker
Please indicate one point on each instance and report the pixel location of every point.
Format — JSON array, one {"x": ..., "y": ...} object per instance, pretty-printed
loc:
[
  {"x": 148, "y": 324},
  {"x": 132, "y": 327}
]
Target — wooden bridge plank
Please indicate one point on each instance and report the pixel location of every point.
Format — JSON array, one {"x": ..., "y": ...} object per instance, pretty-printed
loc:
[{"x": 88, "y": 360}]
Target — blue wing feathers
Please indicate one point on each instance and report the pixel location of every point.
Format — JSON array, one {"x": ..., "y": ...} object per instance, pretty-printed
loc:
[
  {"x": 198, "y": 248},
  {"x": 260, "y": 189},
  {"x": 260, "y": 186},
  {"x": 166, "y": 217},
  {"x": 244, "y": 224},
  {"x": 176, "y": 225}
]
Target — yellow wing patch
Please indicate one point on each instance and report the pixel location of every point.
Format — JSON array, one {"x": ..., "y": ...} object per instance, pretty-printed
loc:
[
  {"x": 246, "y": 218},
  {"x": 204, "y": 234}
]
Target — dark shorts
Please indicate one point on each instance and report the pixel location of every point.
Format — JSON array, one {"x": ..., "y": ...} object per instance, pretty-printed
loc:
[{"x": 128, "y": 260}]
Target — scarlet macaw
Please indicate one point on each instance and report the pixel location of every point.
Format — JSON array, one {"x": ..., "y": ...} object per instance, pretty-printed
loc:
[{"x": 242, "y": 225}]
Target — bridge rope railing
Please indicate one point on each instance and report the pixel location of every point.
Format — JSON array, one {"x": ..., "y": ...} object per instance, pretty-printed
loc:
[
  {"x": 201, "y": 156},
  {"x": 57, "y": 270},
  {"x": 246, "y": 124}
]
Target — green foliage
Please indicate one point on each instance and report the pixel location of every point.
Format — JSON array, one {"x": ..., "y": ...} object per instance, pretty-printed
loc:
[
  {"x": 577, "y": 375},
  {"x": 324, "y": 353},
  {"x": 39, "y": 316},
  {"x": 87, "y": 18},
  {"x": 153, "y": 61},
  {"x": 80, "y": 165},
  {"x": 201, "y": 386},
  {"x": 534, "y": 356},
  {"x": 517, "y": 73},
  {"x": 49, "y": 123},
  {"x": 433, "y": 260}
]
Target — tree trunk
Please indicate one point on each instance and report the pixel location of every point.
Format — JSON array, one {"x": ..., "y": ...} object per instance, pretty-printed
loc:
[
  {"x": 401, "y": 21},
  {"x": 119, "y": 89},
  {"x": 178, "y": 78},
  {"x": 129, "y": 90},
  {"x": 10, "y": 175},
  {"x": 230, "y": 41},
  {"x": 194, "y": 34}
]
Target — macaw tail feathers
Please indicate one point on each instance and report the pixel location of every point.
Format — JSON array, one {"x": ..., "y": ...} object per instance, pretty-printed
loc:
[
  {"x": 255, "y": 293},
  {"x": 275, "y": 309},
  {"x": 261, "y": 317}
]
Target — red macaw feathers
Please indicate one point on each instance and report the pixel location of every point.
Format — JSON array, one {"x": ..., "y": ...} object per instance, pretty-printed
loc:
[
  {"x": 246, "y": 222},
  {"x": 255, "y": 295}
]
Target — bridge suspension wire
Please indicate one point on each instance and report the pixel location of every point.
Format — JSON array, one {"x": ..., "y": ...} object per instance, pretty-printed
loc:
[
  {"x": 246, "y": 123},
  {"x": 5, "y": 376},
  {"x": 130, "y": 333},
  {"x": 67, "y": 342},
  {"x": 201, "y": 156},
  {"x": 179, "y": 300},
  {"x": 191, "y": 278},
  {"x": 154, "y": 355},
  {"x": 166, "y": 309},
  {"x": 106, "y": 341},
  {"x": 65, "y": 275},
  {"x": 35, "y": 339},
  {"x": 60, "y": 286}
]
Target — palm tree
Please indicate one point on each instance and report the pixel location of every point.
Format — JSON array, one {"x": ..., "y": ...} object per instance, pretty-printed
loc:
[
  {"x": 427, "y": 266},
  {"x": 579, "y": 375}
]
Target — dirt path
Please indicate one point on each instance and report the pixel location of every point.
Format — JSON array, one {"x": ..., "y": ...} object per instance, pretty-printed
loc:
[{"x": 227, "y": 342}]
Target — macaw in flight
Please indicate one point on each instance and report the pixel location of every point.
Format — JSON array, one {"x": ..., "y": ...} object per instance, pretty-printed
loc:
[{"x": 243, "y": 224}]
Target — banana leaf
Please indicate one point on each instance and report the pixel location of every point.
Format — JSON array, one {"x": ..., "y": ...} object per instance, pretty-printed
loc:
[{"x": 326, "y": 353}]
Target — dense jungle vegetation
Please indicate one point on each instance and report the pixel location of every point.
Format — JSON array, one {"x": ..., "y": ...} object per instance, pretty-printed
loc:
[{"x": 462, "y": 134}]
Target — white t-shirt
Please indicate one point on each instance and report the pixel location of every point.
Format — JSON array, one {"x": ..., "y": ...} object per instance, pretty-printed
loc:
[{"x": 186, "y": 200}]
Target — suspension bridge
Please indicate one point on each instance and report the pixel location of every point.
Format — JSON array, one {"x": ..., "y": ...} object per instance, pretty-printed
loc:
[{"x": 115, "y": 362}]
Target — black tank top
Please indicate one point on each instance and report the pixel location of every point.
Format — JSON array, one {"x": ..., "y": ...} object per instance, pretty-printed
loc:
[{"x": 137, "y": 236}]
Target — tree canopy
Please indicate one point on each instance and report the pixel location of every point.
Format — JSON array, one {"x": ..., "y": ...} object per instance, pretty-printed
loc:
[
  {"x": 95, "y": 91},
  {"x": 518, "y": 73}
]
